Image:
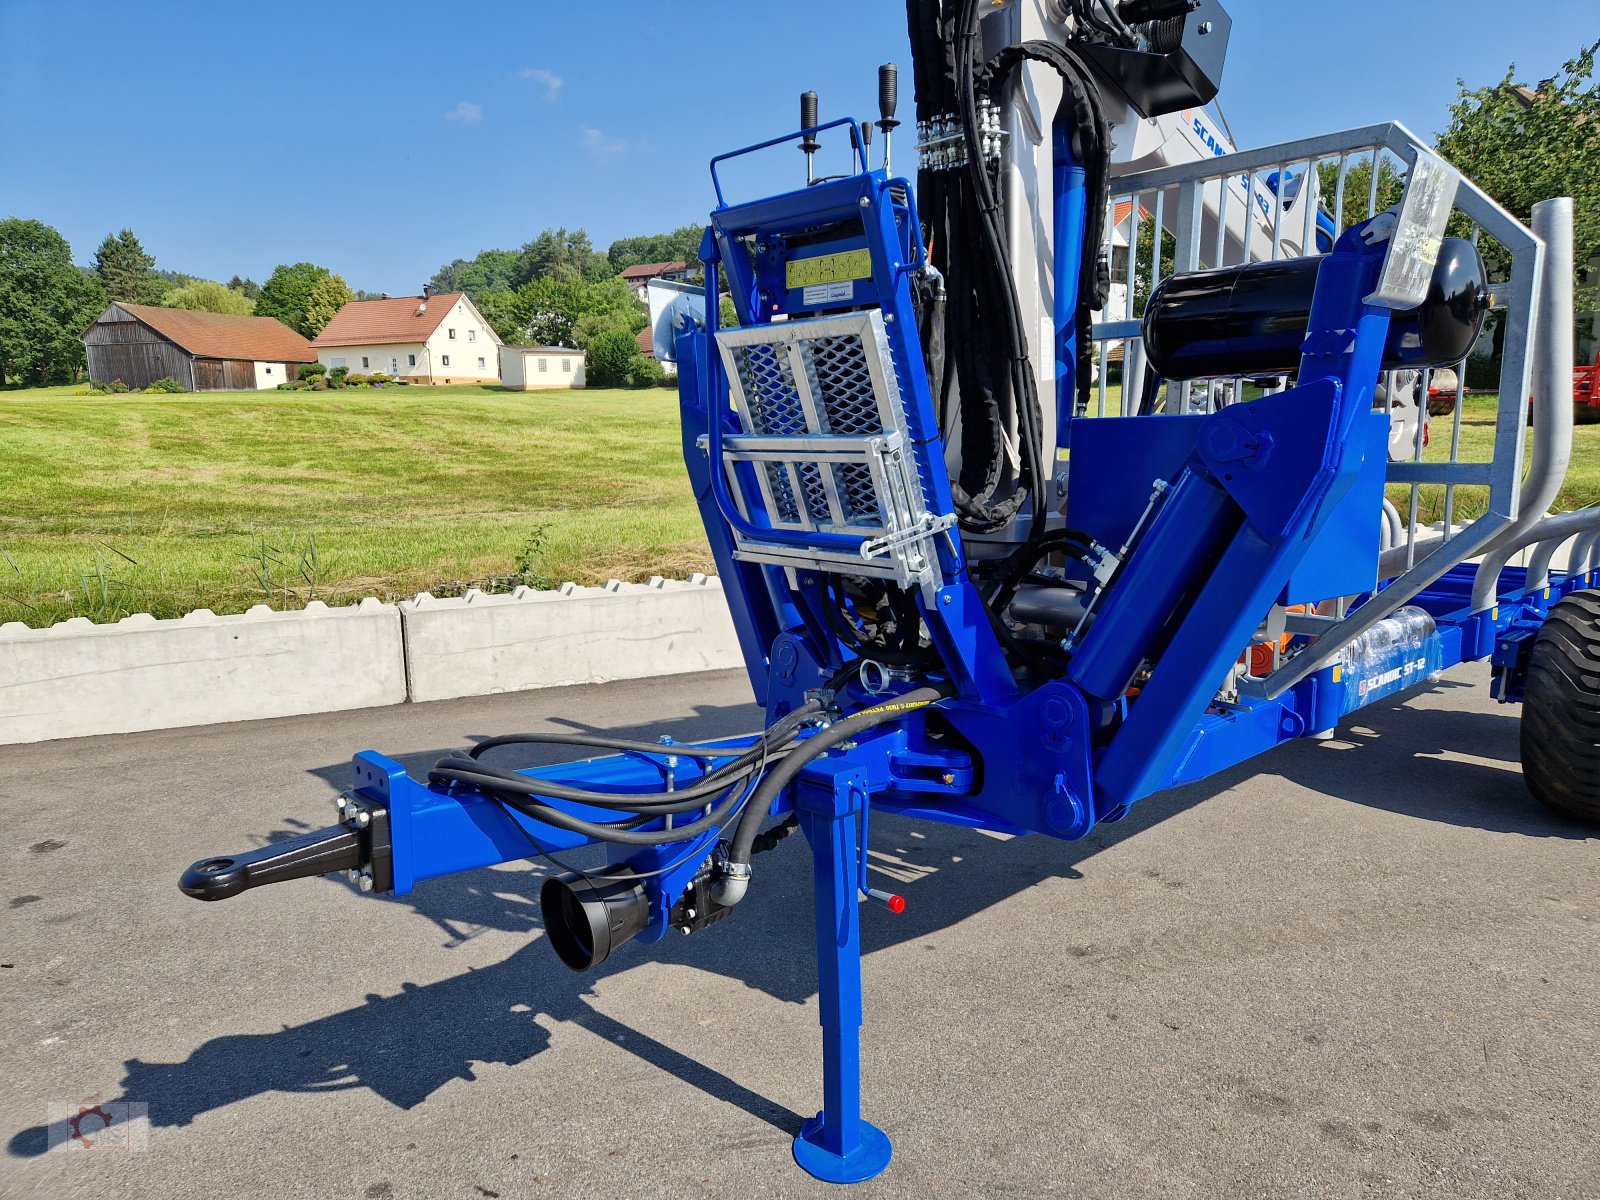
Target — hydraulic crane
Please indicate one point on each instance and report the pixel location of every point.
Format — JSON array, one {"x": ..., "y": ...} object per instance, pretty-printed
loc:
[{"x": 976, "y": 580}]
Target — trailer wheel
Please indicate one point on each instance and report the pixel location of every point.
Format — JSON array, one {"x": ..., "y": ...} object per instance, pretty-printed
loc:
[{"x": 1561, "y": 709}]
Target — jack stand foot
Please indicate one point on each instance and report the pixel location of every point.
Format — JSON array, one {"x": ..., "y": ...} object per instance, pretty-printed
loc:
[{"x": 868, "y": 1159}]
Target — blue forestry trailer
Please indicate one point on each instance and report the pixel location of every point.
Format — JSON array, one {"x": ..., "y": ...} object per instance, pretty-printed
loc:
[{"x": 976, "y": 580}]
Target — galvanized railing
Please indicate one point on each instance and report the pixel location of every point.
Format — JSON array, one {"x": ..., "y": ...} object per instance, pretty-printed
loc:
[{"x": 1264, "y": 205}]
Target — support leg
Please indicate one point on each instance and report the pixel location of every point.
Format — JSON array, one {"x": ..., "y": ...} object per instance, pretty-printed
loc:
[{"x": 836, "y": 1145}]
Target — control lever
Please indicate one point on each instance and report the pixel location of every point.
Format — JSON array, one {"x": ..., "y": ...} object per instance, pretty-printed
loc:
[
  {"x": 888, "y": 98},
  {"x": 808, "y": 121}
]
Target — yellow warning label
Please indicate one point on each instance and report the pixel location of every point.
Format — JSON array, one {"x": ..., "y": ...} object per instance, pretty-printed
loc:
[
  {"x": 1338, "y": 672},
  {"x": 828, "y": 268}
]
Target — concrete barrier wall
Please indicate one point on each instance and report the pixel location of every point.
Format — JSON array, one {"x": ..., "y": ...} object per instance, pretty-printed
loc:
[
  {"x": 480, "y": 644},
  {"x": 79, "y": 678}
]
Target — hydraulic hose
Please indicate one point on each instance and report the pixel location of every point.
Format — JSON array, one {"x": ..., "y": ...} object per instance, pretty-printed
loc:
[
  {"x": 528, "y": 795},
  {"x": 736, "y": 880}
]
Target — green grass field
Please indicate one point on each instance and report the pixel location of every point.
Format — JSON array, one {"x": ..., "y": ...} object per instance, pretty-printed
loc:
[
  {"x": 111, "y": 505},
  {"x": 1582, "y": 487}
]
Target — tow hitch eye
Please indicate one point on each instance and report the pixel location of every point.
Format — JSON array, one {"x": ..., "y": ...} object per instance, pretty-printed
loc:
[{"x": 359, "y": 844}]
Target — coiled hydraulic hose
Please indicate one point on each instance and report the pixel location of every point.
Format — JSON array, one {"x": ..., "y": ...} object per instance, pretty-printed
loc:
[{"x": 732, "y": 886}]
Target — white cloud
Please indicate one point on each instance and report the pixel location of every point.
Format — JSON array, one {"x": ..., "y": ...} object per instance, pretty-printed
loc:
[
  {"x": 466, "y": 112},
  {"x": 549, "y": 80},
  {"x": 602, "y": 146}
]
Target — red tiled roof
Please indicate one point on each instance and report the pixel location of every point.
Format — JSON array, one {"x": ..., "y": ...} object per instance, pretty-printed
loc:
[
  {"x": 653, "y": 270},
  {"x": 397, "y": 322},
  {"x": 647, "y": 342},
  {"x": 217, "y": 335}
]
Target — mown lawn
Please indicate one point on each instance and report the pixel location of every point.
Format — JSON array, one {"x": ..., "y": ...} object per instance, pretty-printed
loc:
[
  {"x": 1582, "y": 487},
  {"x": 111, "y": 505}
]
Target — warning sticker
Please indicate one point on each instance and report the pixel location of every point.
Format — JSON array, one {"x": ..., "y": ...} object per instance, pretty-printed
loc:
[
  {"x": 829, "y": 293},
  {"x": 828, "y": 268}
]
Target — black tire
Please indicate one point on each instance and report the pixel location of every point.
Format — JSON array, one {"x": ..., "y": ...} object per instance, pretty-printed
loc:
[{"x": 1561, "y": 709}]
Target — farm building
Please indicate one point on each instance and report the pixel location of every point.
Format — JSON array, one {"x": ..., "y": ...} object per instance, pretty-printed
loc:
[
  {"x": 530, "y": 368},
  {"x": 641, "y": 274},
  {"x": 421, "y": 339},
  {"x": 205, "y": 352}
]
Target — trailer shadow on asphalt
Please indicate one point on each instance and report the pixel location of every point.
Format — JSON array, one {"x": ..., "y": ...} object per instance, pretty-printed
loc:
[{"x": 406, "y": 1046}]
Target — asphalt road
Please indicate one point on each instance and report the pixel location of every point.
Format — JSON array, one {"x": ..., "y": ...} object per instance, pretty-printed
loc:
[{"x": 1372, "y": 968}]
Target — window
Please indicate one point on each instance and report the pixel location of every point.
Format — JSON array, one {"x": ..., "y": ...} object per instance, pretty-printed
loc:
[
  {"x": 269, "y": 370},
  {"x": 444, "y": 360},
  {"x": 544, "y": 364},
  {"x": 566, "y": 365},
  {"x": 472, "y": 335},
  {"x": 411, "y": 360},
  {"x": 337, "y": 362},
  {"x": 364, "y": 363},
  {"x": 452, "y": 335},
  {"x": 481, "y": 367}
]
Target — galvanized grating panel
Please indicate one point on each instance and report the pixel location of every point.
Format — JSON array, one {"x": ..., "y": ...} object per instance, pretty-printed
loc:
[
  {"x": 822, "y": 402},
  {"x": 842, "y": 382},
  {"x": 769, "y": 387}
]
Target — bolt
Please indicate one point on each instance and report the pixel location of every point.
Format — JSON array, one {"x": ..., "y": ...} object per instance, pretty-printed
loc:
[
  {"x": 947, "y": 600},
  {"x": 340, "y": 801},
  {"x": 866, "y": 203},
  {"x": 888, "y": 318},
  {"x": 363, "y": 818},
  {"x": 365, "y": 881},
  {"x": 948, "y": 778},
  {"x": 689, "y": 914},
  {"x": 1205, "y": 27},
  {"x": 685, "y": 930}
]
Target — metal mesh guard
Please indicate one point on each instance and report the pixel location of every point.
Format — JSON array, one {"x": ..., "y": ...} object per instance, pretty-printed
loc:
[{"x": 797, "y": 382}]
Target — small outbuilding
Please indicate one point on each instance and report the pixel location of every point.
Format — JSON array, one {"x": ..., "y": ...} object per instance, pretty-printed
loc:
[
  {"x": 531, "y": 368},
  {"x": 205, "y": 352}
]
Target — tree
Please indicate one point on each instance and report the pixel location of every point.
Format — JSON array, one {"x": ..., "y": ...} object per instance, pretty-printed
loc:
[
  {"x": 550, "y": 309},
  {"x": 492, "y": 271},
  {"x": 1523, "y": 145},
  {"x": 503, "y": 312},
  {"x": 681, "y": 245},
  {"x": 611, "y": 359},
  {"x": 45, "y": 304},
  {"x": 328, "y": 295},
  {"x": 125, "y": 271},
  {"x": 248, "y": 288},
  {"x": 560, "y": 254},
  {"x": 206, "y": 295},
  {"x": 287, "y": 296},
  {"x": 1358, "y": 194}
]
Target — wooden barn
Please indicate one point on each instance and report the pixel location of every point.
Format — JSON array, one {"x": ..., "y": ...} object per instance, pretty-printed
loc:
[{"x": 206, "y": 352}]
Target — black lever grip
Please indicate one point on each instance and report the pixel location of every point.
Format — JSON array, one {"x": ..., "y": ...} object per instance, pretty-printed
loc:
[{"x": 888, "y": 94}]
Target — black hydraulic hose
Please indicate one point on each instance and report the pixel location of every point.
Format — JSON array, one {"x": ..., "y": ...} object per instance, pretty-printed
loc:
[
  {"x": 682, "y": 750},
  {"x": 458, "y": 769},
  {"x": 450, "y": 768},
  {"x": 1019, "y": 566},
  {"x": 732, "y": 888},
  {"x": 618, "y": 834}
]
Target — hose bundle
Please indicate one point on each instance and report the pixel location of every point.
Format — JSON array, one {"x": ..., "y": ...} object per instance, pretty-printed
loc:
[{"x": 720, "y": 792}]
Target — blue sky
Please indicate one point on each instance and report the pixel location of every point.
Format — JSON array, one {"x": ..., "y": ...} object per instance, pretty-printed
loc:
[{"x": 383, "y": 139}]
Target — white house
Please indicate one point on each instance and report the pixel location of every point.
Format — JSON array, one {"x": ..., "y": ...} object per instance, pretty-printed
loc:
[
  {"x": 423, "y": 339},
  {"x": 530, "y": 368}
]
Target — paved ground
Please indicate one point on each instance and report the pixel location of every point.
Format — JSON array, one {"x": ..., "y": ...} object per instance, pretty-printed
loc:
[{"x": 1372, "y": 969}]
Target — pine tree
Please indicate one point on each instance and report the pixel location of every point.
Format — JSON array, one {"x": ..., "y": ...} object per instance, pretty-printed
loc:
[{"x": 125, "y": 271}]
